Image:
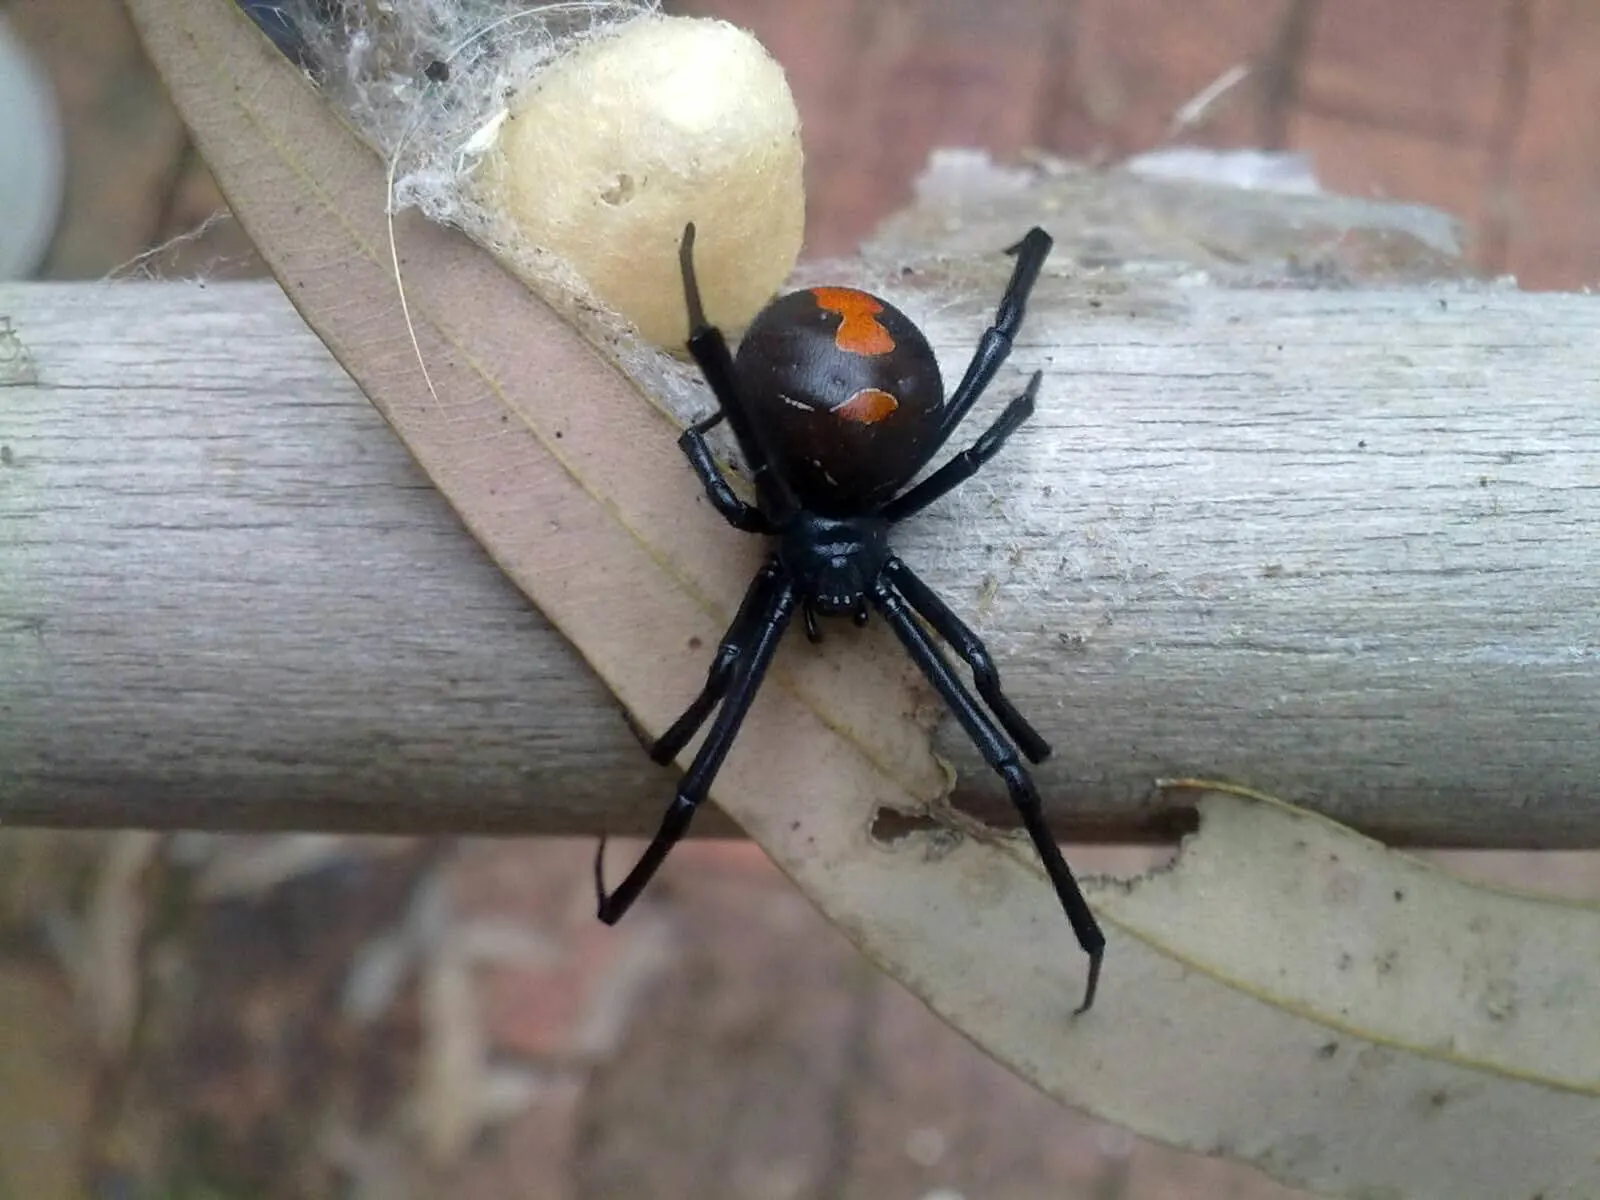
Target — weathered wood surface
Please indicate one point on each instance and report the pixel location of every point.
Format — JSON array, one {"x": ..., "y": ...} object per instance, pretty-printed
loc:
[{"x": 1339, "y": 545}]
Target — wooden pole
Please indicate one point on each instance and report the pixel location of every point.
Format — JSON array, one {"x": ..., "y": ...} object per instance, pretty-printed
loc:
[{"x": 1336, "y": 544}]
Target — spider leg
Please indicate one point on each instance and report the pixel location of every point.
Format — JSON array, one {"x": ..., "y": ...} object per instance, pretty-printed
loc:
[
  {"x": 972, "y": 651},
  {"x": 995, "y": 345},
  {"x": 721, "y": 673},
  {"x": 747, "y": 674},
  {"x": 813, "y": 630},
  {"x": 723, "y": 498},
  {"x": 965, "y": 465},
  {"x": 710, "y": 351},
  {"x": 1002, "y": 757}
]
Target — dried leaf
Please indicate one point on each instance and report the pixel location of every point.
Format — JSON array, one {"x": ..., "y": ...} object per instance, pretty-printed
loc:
[
  {"x": 1294, "y": 994},
  {"x": 1230, "y": 1020}
]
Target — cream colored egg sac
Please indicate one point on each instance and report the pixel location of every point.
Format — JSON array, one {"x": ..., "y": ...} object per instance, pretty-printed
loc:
[{"x": 613, "y": 149}]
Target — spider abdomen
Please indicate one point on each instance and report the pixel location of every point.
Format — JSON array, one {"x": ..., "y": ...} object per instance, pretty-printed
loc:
[{"x": 848, "y": 393}]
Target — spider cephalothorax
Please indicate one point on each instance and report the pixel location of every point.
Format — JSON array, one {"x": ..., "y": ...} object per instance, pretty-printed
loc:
[{"x": 836, "y": 402}]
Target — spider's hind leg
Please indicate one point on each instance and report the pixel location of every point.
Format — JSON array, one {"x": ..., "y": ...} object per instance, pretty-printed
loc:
[
  {"x": 723, "y": 498},
  {"x": 965, "y": 465},
  {"x": 710, "y": 350},
  {"x": 995, "y": 345}
]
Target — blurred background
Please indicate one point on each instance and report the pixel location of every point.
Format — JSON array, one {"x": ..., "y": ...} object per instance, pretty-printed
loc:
[{"x": 297, "y": 1016}]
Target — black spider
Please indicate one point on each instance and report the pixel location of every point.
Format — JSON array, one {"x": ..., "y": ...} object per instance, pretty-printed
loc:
[{"x": 836, "y": 402}]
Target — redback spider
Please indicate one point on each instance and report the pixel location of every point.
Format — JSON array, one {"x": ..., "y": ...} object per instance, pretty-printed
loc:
[{"x": 836, "y": 403}]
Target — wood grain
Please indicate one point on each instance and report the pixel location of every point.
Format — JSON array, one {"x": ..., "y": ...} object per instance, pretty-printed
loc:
[
  {"x": 235, "y": 600},
  {"x": 1338, "y": 545}
]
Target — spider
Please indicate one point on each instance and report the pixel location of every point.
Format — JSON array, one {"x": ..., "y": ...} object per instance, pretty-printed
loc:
[{"x": 836, "y": 403}]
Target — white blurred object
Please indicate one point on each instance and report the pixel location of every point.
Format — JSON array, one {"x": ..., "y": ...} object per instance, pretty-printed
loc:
[
  {"x": 31, "y": 149},
  {"x": 1263, "y": 170}
]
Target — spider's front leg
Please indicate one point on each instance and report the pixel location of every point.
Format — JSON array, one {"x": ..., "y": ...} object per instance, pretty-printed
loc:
[
  {"x": 740, "y": 681},
  {"x": 734, "y": 647},
  {"x": 1002, "y": 758},
  {"x": 960, "y": 638}
]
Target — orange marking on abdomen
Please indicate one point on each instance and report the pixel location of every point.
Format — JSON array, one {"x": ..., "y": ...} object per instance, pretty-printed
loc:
[
  {"x": 867, "y": 407},
  {"x": 860, "y": 331}
]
